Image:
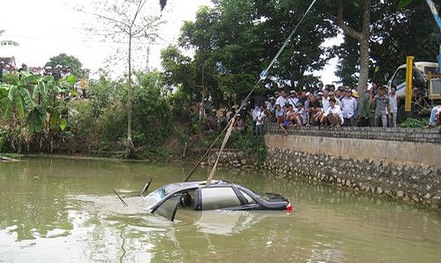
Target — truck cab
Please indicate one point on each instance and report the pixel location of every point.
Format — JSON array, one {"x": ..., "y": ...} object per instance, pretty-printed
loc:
[
  {"x": 420, "y": 73},
  {"x": 420, "y": 103}
]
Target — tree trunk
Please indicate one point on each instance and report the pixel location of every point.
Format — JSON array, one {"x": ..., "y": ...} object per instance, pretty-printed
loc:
[
  {"x": 364, "y": 53},
  {"x": 130, "y": 146},
  {"x": 363, "y": 38}
]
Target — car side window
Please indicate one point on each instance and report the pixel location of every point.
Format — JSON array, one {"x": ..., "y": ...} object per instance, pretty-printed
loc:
[
  {"x": 218, "y": 198},
  {"x": 248, "y": 198}
]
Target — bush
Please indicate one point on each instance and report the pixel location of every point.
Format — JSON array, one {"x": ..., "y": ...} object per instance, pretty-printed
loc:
[
  {"x": 414, "y": 123},
  {"x": 152, "y": 116},
  {"x": 245, "y": 142}
]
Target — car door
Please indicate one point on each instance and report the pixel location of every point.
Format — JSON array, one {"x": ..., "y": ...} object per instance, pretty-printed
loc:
[
  {"x": 168, "y": 207},
  {"x": 217, "y": 197}
]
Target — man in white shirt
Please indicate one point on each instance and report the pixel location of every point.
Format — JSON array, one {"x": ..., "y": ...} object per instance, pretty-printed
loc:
[
  {"x": 334, "y": 114},
  {"x": 325, "y": 100},
  {"x": 393, "y": 104},
  {"x": 260, "y": 120},
  {"x": 271, "y": 106},
  {"x": 292, "y": 99},
  {"x": 349, "y": 108},
  {"x": 331, "y": 95},
  {"x": 281, "y": 100}
]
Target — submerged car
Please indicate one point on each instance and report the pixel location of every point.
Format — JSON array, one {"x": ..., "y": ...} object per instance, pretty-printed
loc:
[{"x": 218, "y": 195}]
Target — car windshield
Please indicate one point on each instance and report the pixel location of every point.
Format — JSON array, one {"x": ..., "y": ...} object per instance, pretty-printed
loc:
[{"x": 155, "y": 196}]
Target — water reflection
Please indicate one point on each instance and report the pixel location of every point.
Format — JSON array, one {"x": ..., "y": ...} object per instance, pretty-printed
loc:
[
  {"x": 56, "y": 210},
  {"x": 225, "y": 223}
]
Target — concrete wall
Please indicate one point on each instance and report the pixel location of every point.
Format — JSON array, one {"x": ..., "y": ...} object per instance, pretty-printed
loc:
[
  {"x": 417, "y": 153},
  {"x": 406, "y": 166}
]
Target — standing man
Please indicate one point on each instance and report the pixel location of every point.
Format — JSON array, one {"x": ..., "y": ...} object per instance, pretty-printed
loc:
[
  {"x": 331, "y": 95},
  {"x": 381, "y": 106},
  {"x": 281, "y": 100},
  {"x": 325, "y": 99},
  {"x": 393, "y": 101},
  {"x": 349, "y": 108},
  {"x": 260, "y": 120}
]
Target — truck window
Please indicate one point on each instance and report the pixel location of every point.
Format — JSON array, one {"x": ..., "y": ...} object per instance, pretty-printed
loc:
[
  {"x": 430, "y": 69},
  {"x": 399, "y": 77}
]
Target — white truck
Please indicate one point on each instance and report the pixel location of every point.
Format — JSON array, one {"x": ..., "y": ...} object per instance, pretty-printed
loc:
[{"x": 426, "y": 90}]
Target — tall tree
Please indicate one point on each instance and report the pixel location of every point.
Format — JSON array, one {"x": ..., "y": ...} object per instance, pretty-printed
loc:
[
  {"x": 400, "y": 32},
  {"x": 68, "y": 61},
  {"x": 357, "y": 29},
  {"x": 395, "y": 33},
  {"x": 235, "y": 40},
  {"x": 125, "y": 21}
]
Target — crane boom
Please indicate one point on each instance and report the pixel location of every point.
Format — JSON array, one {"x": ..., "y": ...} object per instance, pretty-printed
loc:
[{"x": 437, "y": 18}]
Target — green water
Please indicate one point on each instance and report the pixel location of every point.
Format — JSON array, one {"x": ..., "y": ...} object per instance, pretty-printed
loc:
[{"x": 61, "y": 210}]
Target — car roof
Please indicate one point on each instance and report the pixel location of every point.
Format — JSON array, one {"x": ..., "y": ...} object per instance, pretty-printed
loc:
[{"x": 181, "y": 186}]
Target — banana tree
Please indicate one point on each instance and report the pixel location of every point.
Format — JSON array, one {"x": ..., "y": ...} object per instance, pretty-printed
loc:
[
  {"x": 49, "y": 116},
  {"x": 34, "y": 107},
  {"x": 15, "y": 102}
]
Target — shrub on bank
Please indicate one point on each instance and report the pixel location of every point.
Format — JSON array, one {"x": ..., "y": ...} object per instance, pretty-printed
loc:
[{"x": 414, "y": 123}]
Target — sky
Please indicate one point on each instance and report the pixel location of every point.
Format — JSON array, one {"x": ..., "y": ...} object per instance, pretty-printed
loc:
[{"x": 46, "y": 28}]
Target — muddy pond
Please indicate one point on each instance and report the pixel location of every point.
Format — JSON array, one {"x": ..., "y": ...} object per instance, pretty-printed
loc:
[{"x": 64, "y": 210}]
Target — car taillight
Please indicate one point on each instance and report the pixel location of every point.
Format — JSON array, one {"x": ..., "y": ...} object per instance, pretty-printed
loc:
[{"x": 289, "y": 208}]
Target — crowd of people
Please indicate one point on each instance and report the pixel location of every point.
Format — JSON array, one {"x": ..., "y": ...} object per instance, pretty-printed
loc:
[
  {"x": 324, "y": 106},
  {"x": 328, "y": 106},
  {"x": 58, "y": 71}
]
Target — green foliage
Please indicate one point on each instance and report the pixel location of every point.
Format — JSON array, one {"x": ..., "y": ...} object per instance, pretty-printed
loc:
[
  {"x": 235, "y": 40},
  {"x": 114, "y": 122},
  {"x": 68, "y": 61},
  {"x": 404, "y": 3},
  {"x": 396, "y": 32},
  {"x": 33, "y": 111},
  {"x": 245, "y": 142},
  {"x": 36, "y": 118},
  {"x": 86, "y": 127},
  {"x": 181, "y": 112},
  {"x": 248, "y": 143},
  {"x": 105, "y": 92},
  {"x": 101, "y": 121},
  {"x": 152, "y": 114},
  {"x": 414, "y": 123},
  {"x": 2, "y": 138}
]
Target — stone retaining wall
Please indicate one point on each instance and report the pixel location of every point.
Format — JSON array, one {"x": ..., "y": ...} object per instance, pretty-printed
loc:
[
  {"x": 371, "y": 133},
  {"x": 406, "y": 166}
]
